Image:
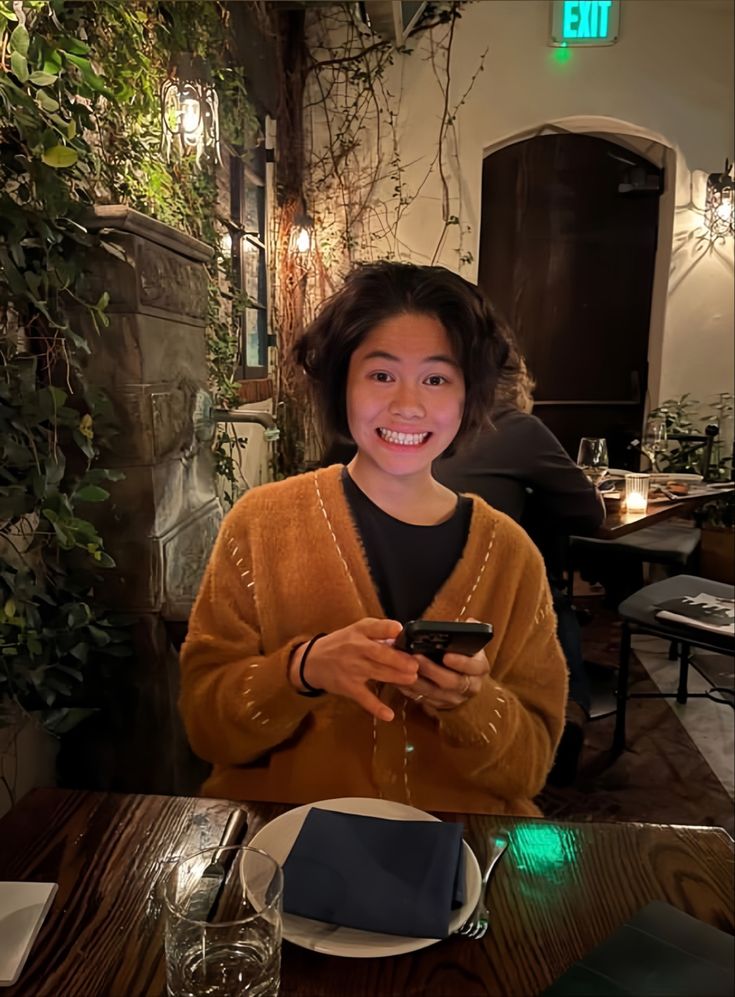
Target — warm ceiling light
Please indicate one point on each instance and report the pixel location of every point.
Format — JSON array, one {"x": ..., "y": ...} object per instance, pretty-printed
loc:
[
  {"x": 719, "y": 209},
  {"x": 189, "y": 111}
]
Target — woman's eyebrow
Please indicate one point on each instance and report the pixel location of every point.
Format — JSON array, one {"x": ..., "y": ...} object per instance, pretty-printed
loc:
[{"x": 437, "y": 358}]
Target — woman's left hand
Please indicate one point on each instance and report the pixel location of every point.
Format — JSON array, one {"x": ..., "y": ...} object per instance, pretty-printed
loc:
[{"x": 449, "y": 685}]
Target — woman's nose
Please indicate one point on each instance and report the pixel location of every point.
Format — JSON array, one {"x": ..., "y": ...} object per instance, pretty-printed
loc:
[{"x": 407, "y": 402}]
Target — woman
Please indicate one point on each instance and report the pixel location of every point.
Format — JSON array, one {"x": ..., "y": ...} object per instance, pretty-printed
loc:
[{"x": 290, "y": 684}]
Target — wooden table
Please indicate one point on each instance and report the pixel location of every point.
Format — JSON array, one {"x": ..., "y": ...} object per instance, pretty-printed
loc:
[
  {"x": 559, "y": 890},
  {"x": 618, "y": 522}
]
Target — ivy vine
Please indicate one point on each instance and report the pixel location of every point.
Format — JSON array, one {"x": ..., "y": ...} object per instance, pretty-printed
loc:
[{"x": 79, "y": 124}]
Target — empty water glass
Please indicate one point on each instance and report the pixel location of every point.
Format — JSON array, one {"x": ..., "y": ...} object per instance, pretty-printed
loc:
[
  {"x": 654, "y": 443},
  {"x": 223, "y": 924},
  {"x": 592, "y": 458}
]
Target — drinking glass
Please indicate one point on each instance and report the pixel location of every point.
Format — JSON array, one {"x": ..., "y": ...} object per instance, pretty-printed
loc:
[
  {"x": 222, "y": 912},
  {"x": 654, "y": 443},
  {"x": 592, "y": 458},
  {"x": 636, "y": 492}
]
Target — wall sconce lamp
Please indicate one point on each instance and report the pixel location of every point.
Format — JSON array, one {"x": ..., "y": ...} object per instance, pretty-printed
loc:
[
  {"x": 719, "y": 208},
  {"x": 302, "y": 234},
  {"x": 189, "y": 108}
]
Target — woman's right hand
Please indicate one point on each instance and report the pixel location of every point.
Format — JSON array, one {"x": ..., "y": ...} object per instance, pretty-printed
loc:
[{"x": 346, "y": 661}]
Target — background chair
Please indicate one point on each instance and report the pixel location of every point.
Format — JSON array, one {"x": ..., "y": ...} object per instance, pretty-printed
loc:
[{"x": 638, "y": 613}]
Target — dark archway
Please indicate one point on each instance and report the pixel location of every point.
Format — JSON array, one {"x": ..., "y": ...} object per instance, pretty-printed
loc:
[{"x": 567, "y": 252}]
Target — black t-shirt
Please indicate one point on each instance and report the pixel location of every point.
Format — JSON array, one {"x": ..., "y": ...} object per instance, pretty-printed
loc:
[{"x": 408, "y": 563}]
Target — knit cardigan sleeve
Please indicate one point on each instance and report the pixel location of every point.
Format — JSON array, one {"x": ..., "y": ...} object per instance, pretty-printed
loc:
[
  {"x": 509, "y": 731},
  {"x": 236, "y": 702}
]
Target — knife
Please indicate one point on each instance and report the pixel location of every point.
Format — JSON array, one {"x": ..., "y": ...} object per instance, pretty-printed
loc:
[{"x": 206, "y": 893}]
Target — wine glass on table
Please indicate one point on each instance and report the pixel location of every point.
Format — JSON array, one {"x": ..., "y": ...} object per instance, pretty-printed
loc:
[
  {"x": 592, "y": 458},
  {"x": 654, "y": 443}
]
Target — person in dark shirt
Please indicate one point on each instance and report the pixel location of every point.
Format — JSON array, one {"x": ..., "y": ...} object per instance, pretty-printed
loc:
[{"x": 519, "y": 467}]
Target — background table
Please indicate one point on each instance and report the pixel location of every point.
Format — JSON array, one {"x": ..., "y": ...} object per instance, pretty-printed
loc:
[
  {"x": 559, "y": 891},
  {"x": 618, "y": 522}
]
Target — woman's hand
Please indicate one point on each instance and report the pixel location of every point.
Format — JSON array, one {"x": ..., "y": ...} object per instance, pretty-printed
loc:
[
  {"x": 347, "y": 661},
  {"x": 446, "y": 686}
]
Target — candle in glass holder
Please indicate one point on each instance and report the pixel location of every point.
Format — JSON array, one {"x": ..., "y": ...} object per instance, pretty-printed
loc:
[{"x": 636, "y": 492}]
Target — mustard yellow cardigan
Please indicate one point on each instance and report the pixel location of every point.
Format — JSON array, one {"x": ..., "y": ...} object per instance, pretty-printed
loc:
[{"x": 288, "y": 563}]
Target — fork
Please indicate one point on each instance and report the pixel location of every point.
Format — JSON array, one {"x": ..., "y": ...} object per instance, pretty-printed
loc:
[{"x": 476, "y": 924}]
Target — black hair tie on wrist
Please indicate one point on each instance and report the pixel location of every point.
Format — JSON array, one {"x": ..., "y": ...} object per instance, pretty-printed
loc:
[{"x": 309, "y": 689}]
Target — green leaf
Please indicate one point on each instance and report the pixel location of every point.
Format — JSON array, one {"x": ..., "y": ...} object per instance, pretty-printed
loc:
[
  {"x": 80, "y": 652},
  {"x": 74, "y": 45},
  {"x": 60, "y": 156},
  {"x": 41, "y": 79},
  {"x": 19, "y": 66},
  {"x": 91, "y": 493},
  {"x": 104, "y": 300},
  {"x": 61, "y": 721},
  {"x": 20, "y": 40},
  {"x": 101, "y": 637},
  {"x": 55, "y": 469},
  {"x": 89, "y": 76},
  {"x": 46, "y": 102},
  {"x": 79, "y": 615},
  {"x": 58, "y": 396}
]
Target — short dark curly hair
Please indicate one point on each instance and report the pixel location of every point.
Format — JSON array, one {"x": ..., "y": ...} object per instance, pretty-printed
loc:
[{"x": 374, "y": 292}]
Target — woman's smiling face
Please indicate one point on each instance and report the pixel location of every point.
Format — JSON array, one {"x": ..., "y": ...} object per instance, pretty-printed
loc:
[{"x": 405, "y": 394}]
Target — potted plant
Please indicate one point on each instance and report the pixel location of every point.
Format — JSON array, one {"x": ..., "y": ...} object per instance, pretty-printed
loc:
[{"x": 716, "y": 519}]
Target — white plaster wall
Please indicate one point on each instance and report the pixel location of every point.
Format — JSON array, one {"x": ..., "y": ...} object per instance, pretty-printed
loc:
[{"x": 668, "y": 78}]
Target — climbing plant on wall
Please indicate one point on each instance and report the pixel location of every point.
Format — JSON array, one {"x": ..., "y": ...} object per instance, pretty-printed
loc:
[
  {"x": 79, "y": 124},
  {"x": 340, "y": 162}
]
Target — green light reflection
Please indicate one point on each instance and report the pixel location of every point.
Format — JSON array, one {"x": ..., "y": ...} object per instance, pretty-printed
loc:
[
  {"x": 544, "y": 849},
  {"x": 562, "y": 54}
]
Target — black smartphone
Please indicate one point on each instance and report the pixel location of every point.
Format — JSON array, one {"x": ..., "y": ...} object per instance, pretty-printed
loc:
[{"x": 434, "y": 638}]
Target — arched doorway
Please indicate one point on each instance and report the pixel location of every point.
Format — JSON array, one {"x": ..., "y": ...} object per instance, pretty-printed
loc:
[{"x": 567, "y": 252}]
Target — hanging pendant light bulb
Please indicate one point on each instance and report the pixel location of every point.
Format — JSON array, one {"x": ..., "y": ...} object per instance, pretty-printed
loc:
[
  {"x": 719, "y": 209},
  {"x": 189, "y": 109}
]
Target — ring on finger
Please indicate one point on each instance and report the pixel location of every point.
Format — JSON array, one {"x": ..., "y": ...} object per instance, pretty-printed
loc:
[
  {"x": 417, "y": 699},
  {"x": 465, "y": 687}
]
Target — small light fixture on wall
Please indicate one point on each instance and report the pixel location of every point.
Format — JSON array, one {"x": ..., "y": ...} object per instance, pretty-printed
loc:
[
  {"x": 189, "y": 108},
  {"x": 302, "y": 234},
  {"x": 719, "y": 209}
]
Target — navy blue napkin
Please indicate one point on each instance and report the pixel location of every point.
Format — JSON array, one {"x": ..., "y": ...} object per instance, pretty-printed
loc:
[{"x": 392, "y": 876}]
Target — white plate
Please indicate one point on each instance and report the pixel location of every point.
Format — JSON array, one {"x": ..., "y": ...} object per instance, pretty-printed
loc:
[
  {"x": 277, "y": 839},
  {"x": 683, "y": 478}
]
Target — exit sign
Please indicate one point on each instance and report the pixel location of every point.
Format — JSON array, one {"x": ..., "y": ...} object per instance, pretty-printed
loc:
[{"x": 585, "y": 22}]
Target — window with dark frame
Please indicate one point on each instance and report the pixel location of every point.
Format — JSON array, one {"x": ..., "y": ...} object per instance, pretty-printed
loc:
[{"x": 247, "y": 211}]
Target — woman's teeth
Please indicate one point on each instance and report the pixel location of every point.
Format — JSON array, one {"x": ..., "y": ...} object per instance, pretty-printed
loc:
[{"x": 404, "y": 439}]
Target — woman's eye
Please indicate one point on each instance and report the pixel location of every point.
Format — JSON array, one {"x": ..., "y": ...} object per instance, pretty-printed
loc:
[
  {"x": 436, "y": 379},
  {"x": 381, "y": 375}
]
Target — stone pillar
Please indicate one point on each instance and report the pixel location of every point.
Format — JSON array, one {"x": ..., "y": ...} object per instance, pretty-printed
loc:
[{"x": 164, "y": 515}]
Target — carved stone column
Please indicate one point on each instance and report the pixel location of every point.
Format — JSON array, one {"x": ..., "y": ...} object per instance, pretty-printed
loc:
[{"x": 164, "y": 515}]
